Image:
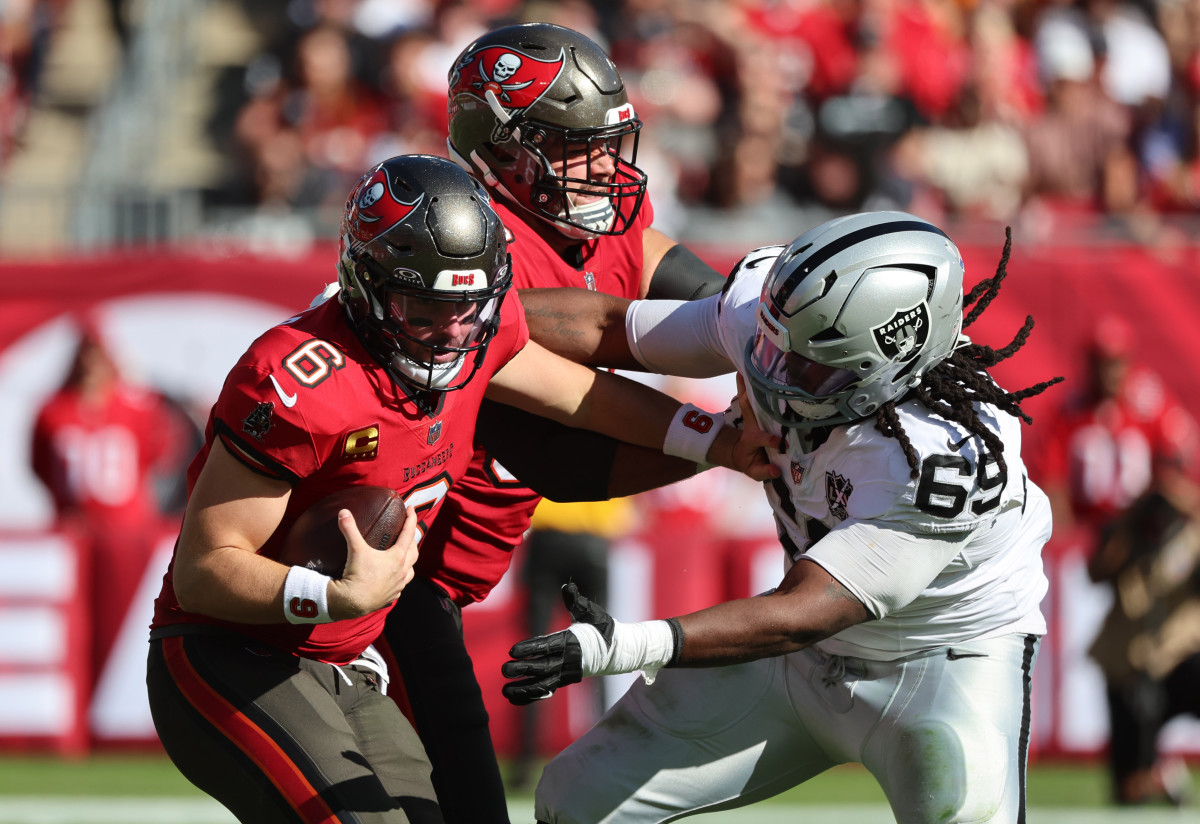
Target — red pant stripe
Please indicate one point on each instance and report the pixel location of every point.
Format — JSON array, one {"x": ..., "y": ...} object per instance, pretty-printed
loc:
[{"x": 251, "y": 739}]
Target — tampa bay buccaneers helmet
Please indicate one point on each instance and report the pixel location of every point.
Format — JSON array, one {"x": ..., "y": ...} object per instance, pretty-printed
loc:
[
  {"x": 852, "y": 314},
  {"x": 527, "y": 96},
  {"x": 422, "y": 247}
]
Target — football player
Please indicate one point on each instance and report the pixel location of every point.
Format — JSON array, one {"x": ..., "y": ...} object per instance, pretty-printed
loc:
[
  {"x": 903, "y": 633},
  {"x": 540, "y": 115},
  {"x": 262, "y": 685}
]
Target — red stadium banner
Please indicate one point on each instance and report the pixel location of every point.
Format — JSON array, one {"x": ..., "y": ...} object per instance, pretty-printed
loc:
[{"x": 177, "y": 321}]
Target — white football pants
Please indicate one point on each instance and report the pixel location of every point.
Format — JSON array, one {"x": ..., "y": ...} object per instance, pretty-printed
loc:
[{"x": 945, "y": 733}]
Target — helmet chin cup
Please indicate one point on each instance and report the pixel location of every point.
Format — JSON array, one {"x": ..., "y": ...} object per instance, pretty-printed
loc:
[
  {"x": 594, "y": 219},
  {"x": 430, "y": 376}
]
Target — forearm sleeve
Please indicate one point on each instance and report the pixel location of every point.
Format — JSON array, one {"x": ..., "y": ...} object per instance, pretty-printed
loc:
[{"x": 677, "y": 337}]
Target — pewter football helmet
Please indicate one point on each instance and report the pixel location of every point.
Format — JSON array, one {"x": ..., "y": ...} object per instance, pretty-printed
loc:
[
  {"x": 853, "y": 313},
  {"x": 420, "y": 241},
  {"x": 525, "y": 96}
]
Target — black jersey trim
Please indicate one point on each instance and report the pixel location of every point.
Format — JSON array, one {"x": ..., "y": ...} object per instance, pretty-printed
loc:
[{"x": 250, "y": 457}]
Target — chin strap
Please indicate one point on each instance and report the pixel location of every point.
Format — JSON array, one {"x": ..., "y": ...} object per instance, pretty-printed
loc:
[{"x": 503, "y": 131}]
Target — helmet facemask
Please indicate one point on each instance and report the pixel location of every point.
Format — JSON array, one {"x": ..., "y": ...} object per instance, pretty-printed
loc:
[
  {"x": 428, "y": 334},
  {"x": 598, "y": 188},
  {"x": 585, "y": 183}
]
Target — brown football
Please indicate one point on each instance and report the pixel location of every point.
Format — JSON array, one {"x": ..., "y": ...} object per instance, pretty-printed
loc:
[{"x": 315, "y": 541}]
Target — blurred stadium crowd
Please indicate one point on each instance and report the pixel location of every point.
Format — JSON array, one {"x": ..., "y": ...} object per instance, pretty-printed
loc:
[{"x": 1046, "y": 114}]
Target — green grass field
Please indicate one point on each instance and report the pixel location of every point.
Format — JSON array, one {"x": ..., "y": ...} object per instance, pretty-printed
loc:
[{"x": 137, "y": 788}]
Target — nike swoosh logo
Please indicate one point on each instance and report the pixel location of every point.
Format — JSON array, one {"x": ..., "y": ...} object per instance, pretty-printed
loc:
[
  {"x": 288, "y": 400},
  {"x": 954, "y": 656},
  {"x": 954, "y": 447}
]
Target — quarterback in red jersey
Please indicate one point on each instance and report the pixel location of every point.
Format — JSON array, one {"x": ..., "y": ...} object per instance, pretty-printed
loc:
[
  {"x": 263, "y": 685},
  {"x": 540, "y": 114}
]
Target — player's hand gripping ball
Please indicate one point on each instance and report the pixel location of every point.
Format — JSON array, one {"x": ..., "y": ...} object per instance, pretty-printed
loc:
[{"x": 315, "y": 541}]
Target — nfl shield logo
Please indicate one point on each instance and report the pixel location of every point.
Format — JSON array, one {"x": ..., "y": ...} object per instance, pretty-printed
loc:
[
  {"x": 797, "y": 472},
  {"x": 435, "y": 433}
]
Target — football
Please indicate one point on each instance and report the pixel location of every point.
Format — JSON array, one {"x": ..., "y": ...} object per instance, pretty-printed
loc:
[{"x": 315, "y": 541}]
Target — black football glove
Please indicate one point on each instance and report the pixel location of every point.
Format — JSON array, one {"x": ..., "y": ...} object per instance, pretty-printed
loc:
[{"x": 543, "y": 664}]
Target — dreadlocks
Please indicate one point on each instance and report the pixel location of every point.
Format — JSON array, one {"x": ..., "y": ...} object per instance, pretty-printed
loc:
[{"x": 951, "y": 388}]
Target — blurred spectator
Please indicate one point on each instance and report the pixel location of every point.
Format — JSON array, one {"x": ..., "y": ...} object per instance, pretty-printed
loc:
[
  {"x": 1120, "y": 459},
  {"x": 1149, "y": 645},
  {"x": 566, "y": 542},
  {"x": 26, "y": 27},
  {"x": 100, "y": 445},
  {"x": 1114, "y": 437},
  {"x": 1080, "y": 162},
  {"x": 414, "y": 86},
  {"x": 975, "y": 160},
  {"x": 308, "y": 135},
  {"x": 683, "y": 77}
]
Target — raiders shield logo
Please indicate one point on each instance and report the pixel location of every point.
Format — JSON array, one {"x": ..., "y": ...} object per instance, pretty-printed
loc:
[
  {"x": 903, "y": 336},
  {"x": 258, "y": 423},
  {"x": 837, "y": 494}
]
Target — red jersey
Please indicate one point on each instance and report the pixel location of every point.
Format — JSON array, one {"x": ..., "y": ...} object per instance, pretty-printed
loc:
[
  {"x": 1106, "y": 453},
  {"x": 486, "y": 514},
  {"x": 308, "y": 404},
  {"x": 96, "y": 460}
]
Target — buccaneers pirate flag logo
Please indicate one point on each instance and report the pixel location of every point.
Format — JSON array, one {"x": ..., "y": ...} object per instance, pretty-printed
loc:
[
  {"x": 504, "y": 78},
  {"x": 375, "y": 208}
]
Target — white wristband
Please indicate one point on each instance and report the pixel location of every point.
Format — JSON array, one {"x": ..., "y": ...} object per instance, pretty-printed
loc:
[
  {"x": 691, "y": 433},
  {"x": 647, "y": 646},
  {"x": 305, "y": 600}
]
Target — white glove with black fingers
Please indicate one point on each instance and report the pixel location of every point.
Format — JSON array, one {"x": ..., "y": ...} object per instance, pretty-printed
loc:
[{"x": 595, "y": 644}]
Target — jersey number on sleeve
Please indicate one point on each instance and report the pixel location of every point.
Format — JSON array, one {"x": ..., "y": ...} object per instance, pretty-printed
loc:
[{"x": 942, "y": 492}]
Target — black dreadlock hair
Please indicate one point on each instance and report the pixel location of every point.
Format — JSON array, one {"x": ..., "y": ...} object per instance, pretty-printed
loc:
[{"x": 950, "y": 389}]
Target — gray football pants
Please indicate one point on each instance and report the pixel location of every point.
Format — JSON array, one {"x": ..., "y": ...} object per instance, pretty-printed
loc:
[{"x": 945, "y": 733}]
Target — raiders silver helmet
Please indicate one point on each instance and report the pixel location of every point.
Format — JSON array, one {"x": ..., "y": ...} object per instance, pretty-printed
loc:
[{"x": 853, "y": 313}]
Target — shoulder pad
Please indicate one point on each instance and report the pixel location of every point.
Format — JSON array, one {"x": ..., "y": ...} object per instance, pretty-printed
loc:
[{"x": 762, "y": 256}]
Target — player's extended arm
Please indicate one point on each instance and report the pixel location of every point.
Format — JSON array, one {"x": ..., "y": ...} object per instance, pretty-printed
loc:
[
  {"x": 541, "y": 382},
  {"x": 599, "y": 467},
  {"x": 809, "y": 605},
  {"x": 231, "y": 513},
  {"x": 581, "y": 325}
]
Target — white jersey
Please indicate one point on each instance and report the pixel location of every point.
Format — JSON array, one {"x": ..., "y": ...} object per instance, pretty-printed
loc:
[{"x": 984, "y": 528}]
